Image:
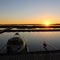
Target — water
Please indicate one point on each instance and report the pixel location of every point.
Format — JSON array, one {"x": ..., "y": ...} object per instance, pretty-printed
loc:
[{"x": 34, "y": 40}]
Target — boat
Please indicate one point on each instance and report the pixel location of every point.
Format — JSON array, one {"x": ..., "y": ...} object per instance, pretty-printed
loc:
[{"x": 16, "y": 45}]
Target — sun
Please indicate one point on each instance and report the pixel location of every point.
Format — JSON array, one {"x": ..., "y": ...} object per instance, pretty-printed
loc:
[{"x": 47, "y": 23}]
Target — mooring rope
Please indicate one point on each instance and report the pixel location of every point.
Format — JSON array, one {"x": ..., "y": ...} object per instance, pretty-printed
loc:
[{"x": 48, "y": 44}]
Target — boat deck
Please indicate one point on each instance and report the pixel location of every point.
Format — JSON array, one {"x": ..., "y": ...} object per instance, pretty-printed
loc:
[{"x": 33, "y": 56}]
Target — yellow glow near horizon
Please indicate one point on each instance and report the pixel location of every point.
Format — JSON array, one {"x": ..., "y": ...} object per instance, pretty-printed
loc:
[{"x": 47, "y": 23}]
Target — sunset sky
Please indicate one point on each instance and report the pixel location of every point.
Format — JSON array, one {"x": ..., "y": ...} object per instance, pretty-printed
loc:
[{"x": 29, "y": 11}]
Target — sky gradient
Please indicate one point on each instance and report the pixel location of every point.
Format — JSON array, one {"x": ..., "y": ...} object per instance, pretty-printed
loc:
[{"x": 29, "y": 11}]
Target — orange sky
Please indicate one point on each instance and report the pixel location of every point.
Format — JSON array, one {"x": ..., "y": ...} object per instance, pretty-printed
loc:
[
  {"x": 27, "y": 22},
  {"x": 31, "y": 20}
]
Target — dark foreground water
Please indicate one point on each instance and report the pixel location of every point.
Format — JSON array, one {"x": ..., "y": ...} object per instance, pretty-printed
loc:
[{"x": 34, "y": 40}]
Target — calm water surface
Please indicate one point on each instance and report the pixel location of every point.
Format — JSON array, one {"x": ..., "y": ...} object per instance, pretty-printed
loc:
[{"x": 34, "y": 40}]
